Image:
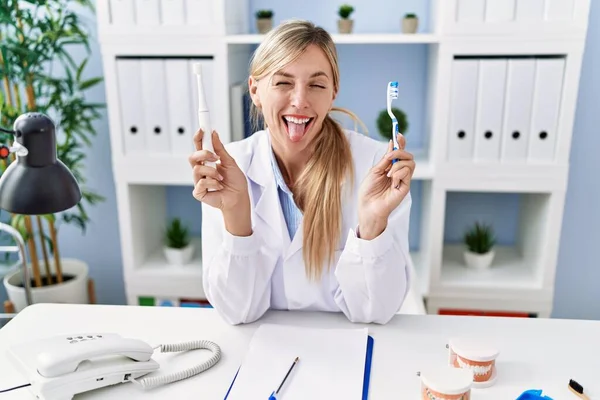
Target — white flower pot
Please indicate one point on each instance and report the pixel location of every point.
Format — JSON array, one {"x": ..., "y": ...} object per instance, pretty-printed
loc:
[
  {"x": 179, "y": 256},
  {"x": 72, "y": 291},
  {"x": 264, "y": 25},
  {"x": 479, "y": 261},
  {"x": 410, "y": 25},
  {"x": 345, "y": 25}
]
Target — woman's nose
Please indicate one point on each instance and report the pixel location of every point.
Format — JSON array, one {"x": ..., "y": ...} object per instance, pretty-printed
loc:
[{"x": 299, "y": 97}]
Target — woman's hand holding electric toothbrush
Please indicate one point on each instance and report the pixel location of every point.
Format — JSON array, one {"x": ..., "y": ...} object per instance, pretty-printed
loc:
[
  {"x": 383, "y": 189},
  {"x": 227, "y": 183}
]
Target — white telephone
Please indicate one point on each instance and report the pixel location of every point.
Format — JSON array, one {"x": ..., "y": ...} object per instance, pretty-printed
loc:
[{"x": 59, "y": 367}]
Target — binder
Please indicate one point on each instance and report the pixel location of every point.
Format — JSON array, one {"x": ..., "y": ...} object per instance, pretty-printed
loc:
[
  {"x": 559, "y": 10},
  {"x": 200, "y": 13},
  {"x": 463, "y": 103},
  {"x": 530, "y": 11},
  {"x": 154, "y": 96},
  {"x": 470, "y": 10},
  {"x": 147, "y": 12},
  {"x": 499, "y": 10},
  {"x": 122, "y": 12},
  {"x": 130, "y": 105},
  {"x": 172, "y": 12},
  {"x": 546, "y": 106},
  {"x": 307, "y": 384},
  {"x": 517, "y": 115},
  {"x": 182, "y": 121},
  {"x": 488, "y": 127}
]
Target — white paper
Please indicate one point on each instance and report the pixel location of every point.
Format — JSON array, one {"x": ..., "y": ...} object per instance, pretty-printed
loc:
[{"x": 331, "y": 364}]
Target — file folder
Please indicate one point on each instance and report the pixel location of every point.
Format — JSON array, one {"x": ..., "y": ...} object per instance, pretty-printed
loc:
[
  {"x": 122, "y": 13},
  {"x": 530, "y": 11},
  {"x": 317, "y": 373},
  {"x": 517, "y": 115},
  {"x": 488, "y": 128},
  {"x": 549, "y": 77},
  {"x": 154, "y": 92},
  {"x": 147, "y": 12},
  {"x": 172, "y": 12},
  {"x": 130, "y": 105},
  {"x": 463, "y": 107},
  {"x": 182, "y": 119}
]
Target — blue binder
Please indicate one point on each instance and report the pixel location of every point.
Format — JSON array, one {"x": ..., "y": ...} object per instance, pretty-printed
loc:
[{"x": 366, "y": 378}]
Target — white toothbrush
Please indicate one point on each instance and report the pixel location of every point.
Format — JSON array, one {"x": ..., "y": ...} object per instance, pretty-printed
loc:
[
  {"x": 204, "y": 115},
  {"x": 392, "y": 93}
]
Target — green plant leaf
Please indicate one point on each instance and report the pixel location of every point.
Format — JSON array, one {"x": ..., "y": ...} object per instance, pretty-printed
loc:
[{"x": 480, "y": 238}]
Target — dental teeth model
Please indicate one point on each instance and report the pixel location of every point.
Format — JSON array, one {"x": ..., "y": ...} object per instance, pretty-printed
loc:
[
  {"x": 475, "y": 356},
  {"x": 446, "y": 383}
]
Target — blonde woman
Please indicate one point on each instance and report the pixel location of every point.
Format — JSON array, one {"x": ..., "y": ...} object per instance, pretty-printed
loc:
[{"x": 303, "y": 215}]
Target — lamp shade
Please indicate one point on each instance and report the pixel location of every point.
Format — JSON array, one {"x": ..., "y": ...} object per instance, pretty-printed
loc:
[{"x": 37, "y": 183}]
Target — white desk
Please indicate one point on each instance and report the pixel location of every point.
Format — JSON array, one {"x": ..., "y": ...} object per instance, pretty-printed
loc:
[{"x": 535, "y": 353}]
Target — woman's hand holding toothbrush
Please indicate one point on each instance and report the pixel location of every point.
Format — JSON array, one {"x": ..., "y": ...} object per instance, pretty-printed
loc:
[
  {"x": 227, "y": 183},
  {"x": 383, "y": 189}
]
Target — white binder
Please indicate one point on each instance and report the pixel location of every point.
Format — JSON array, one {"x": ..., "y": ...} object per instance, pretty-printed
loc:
[
  {"x": 546, "y": 106},
  {"x": 490, "y": 107},
  {"x": 122, "y": 12},
  {"x": 207, "y": 73},
  {"x": 147, "y": 12},
  {"x": 470, "y": 10},
  {"x": 154, "y": 102},
  {"x": 130, "y": 105},
  {"x": 172, "y": 12},
  {"x": 463, "y": 103},
  {"x": 530, "y": 10},
  {"x": 517, "y": 114},
  {"x": 200, "y": 13},
  {"x": 559, "y": 10},
  {"x": 499, "y": 10},
  {"x": 179, "y": 98}
]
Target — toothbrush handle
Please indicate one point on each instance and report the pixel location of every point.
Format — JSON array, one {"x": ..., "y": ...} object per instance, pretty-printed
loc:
[{"x": 395, "y": 139}]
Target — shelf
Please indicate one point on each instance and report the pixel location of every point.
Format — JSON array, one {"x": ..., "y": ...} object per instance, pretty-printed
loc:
[
  {"x": 352, "y": 38},
  {"x": 508, "y": 271},
  {"x": 156, "y": 277},
  {"x": 503, "y": 177}
]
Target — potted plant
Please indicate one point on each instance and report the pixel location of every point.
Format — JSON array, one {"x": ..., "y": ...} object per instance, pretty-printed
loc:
[
  {"x": 479, "y": 241},
  {"x": 178, "y": 248},
  {"x": 410, "y": 23},
  {"x": 345, "y": 24},
  {"x": 33, "y": 37},
  {"x": 384, "y": 123},
  {"x": 264, "y": 21}
]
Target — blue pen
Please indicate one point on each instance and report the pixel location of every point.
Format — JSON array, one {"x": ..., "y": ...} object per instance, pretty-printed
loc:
[{"x": 274, "y": 395}]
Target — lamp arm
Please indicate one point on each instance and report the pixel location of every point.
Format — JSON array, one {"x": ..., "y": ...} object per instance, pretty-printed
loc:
[{"x": 22, "y": 258}]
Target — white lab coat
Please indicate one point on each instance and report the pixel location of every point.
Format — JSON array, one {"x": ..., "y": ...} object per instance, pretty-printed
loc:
[{"x": 245, "y": 276}]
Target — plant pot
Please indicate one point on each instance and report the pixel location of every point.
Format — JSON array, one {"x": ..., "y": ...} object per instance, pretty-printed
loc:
[
  {"x": 73, "y": 289},
  {"x": 345, "y": 25},
  {"x": 410, "y": 25},
  {"x": 479, "y": 261},
  {"x": 181, "y": 256},
  {"x": 264, "y": 25}
]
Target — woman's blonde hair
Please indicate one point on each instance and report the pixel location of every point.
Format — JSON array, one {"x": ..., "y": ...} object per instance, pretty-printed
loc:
[{"x": 318, "y": 191}]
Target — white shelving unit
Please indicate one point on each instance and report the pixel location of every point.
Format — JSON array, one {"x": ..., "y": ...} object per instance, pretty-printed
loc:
[{"x": 510, "y": 68}]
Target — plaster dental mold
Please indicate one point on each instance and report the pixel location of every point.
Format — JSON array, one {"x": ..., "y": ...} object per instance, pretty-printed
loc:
[
  {"x": 475, "y": 356},
  {"x": 446, "y": 383}
]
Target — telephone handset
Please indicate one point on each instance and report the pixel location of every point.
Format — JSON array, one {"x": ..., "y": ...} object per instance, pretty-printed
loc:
[
  {"x": 59, "y": 367},
  {"x": 68, "y": 353}
]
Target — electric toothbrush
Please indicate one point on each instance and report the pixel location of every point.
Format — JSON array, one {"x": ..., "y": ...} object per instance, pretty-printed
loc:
[
  {"x": 392, "y": 93},
  {"x": 204, "y": 115}
]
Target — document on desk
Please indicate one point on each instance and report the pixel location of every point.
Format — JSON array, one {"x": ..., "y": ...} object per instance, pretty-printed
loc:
[{"x": 331, "y": 364}]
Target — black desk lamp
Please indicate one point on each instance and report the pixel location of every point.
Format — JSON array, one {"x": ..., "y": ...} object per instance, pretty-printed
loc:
[{"x": 36, "y": 182}]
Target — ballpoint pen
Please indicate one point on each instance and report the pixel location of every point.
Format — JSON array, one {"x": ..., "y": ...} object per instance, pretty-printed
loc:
[{"x": 274, "y": 394}]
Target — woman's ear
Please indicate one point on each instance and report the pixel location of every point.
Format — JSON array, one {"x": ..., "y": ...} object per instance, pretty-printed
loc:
[{"x": 253, "y": 90}]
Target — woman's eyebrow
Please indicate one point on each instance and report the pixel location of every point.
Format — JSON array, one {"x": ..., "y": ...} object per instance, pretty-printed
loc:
[{"x": 288, "y": 75}]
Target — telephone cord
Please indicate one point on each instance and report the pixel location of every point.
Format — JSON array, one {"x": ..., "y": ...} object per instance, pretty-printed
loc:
[{"x": 151, "y": 382}]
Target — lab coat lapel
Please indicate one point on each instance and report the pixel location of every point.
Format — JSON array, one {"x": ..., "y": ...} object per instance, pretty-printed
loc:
[{"x": 268, "y": 207}]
